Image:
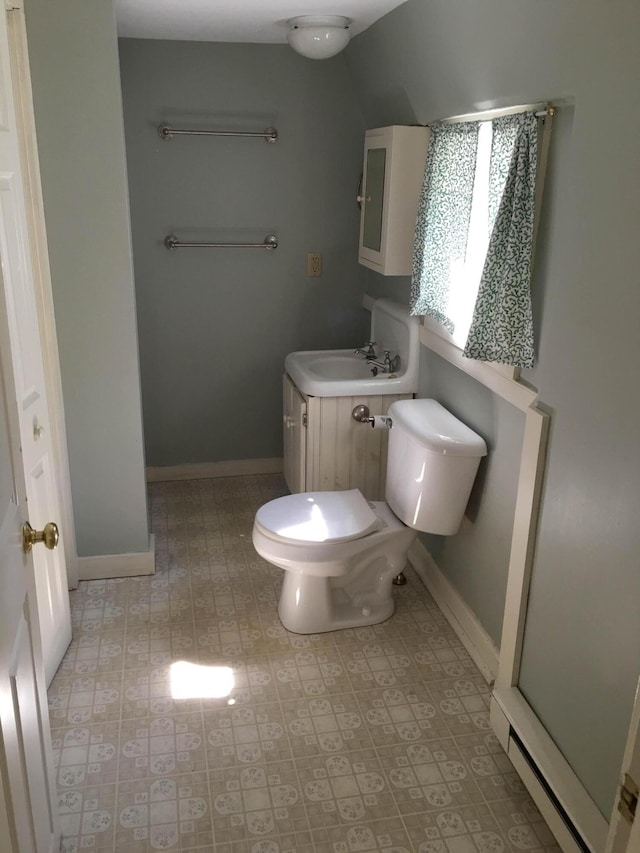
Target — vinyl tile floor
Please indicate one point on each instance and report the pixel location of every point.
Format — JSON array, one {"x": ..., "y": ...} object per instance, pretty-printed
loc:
[{"x": 369, "y": 739}]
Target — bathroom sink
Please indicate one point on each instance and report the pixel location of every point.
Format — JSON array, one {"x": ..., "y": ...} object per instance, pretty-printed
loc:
[
  {"x": 335, "y": 364},
  {"x": 335, "y": 373},
  {"x": 342, "y": 373}
]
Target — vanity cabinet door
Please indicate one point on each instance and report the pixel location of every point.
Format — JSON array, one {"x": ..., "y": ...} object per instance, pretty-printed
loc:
[
  {"x": 294, "y": 412},
  {"x": 325, "y": 449},
  {"x": 394, "y": 161},
  {"x": 345, "y": 454}
]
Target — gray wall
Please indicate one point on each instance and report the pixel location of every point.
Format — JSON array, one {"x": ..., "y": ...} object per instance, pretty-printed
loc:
[
  {"x": 476, "y": 560},
  {"x": 428, "y": 60},
  {"x": 215, "y": 325},
  {"x": 76, "y": 91}
]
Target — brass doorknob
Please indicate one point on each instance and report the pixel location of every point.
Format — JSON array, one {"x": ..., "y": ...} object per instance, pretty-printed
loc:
[{"x": 49, "y": 536}]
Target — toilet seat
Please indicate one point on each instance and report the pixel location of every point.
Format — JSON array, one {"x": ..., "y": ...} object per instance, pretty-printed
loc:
[
  {"x": 328, "y": 559},
  {"x": 315, "y": 518}
]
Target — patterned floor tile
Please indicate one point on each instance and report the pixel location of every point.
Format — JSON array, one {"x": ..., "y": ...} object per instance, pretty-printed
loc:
[
  {"x": 379, "y": 664},
  {"x": 158, "y": 746},
  {"x": 185, "y": 717},
  {"x": 257, "y": 801},
  {"x": 325, "y": 724},
  {"x": 309, "y": 673},
  {"x": 427, "y": 777},
  {"x": 464, "y": 703},
  {"x": 345, "y": 788},
  {"x": 387, "y": 835},
  {"x": 164, "y": 813},
  {"x": 86, "y": 755},
  {"x": 240, "y": 735},
  {"x": 522, "y": 824},
  {"x": 402, "y": 713},
  {"x": 490, "y": 767},
  {"x": 87, "y": 818},
  {"x": 85, "y": 699},
  {"x": 470, "y": 829}
]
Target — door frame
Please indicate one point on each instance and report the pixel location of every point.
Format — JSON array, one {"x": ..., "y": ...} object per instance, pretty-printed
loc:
[{"x": 623, "y": 837}]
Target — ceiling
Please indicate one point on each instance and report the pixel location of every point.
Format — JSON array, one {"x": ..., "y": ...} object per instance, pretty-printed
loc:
[{"x": 236, "y": 20}]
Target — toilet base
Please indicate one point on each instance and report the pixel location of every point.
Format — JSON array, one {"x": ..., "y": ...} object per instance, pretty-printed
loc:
[
  {"x": 315, "y": 605},
  {"x": 332, "y": 610}
]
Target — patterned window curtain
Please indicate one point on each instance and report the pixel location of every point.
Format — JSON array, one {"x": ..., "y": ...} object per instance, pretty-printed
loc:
[
  {"x": 444, "y": 211},
  {"x": 502, "y": 326}
]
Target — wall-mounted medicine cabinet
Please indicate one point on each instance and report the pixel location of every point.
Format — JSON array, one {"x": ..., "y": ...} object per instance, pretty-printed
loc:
[{"x": 394, "y": 161}]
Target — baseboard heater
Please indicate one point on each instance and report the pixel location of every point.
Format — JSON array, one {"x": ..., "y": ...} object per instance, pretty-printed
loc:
[{"x": 519, "y": 754}]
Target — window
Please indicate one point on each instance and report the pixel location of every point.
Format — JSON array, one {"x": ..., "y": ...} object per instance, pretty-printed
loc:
[
  {"x": 474, "y": 236},
  {"x": 466, "y": 271}
]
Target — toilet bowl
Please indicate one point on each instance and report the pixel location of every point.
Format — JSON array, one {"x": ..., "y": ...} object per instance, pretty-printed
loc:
[{"x": 341, "y": 552}]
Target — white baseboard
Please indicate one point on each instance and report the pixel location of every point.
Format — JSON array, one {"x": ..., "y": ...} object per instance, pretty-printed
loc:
[
  {"x": 456, "y": 611},
  {"x": 118, "y": 565},
  {"x": 209, "y": 470}
]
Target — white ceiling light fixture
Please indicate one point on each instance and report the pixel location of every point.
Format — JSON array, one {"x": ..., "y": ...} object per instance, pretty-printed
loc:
[{"x": 319, "y": 36}]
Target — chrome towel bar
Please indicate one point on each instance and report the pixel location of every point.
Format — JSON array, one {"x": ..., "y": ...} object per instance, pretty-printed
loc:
[
  {"x": 172, "y": 242},
  {"x": 165, "y": 131}
]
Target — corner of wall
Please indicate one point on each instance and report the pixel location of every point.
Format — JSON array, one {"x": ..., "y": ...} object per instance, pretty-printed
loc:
[{"x": 118, "y": 565}]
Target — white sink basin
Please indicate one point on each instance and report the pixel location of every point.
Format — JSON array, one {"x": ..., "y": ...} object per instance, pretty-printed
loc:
[
  {"x": 325, "y": 365},
  {"x": 337, "y": 373},
  {"x": 341, "y": 373}
]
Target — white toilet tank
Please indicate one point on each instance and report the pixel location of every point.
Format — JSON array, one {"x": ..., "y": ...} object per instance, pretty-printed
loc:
[{"x": 432, "y": 463}]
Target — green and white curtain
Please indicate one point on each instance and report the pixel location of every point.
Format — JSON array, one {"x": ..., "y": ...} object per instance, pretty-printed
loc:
[
  {"x": 444, "y": 212},
  {"x": 502, "y": 328}
]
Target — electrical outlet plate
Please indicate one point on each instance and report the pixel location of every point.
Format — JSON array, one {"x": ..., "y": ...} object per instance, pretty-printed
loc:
[{"x": 314, "y": 264}]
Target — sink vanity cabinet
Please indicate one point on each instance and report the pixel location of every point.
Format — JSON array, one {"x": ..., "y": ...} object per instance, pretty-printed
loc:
[
  {"x": 326, "y": 450},
  {"x": 394, "y": 161}
]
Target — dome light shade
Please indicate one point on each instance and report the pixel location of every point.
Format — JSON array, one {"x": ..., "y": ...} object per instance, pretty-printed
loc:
[{"x": 319, "y": 36}]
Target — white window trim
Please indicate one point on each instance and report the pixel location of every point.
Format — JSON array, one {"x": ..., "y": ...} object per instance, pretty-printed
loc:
[{"x": 502, "y": 379}]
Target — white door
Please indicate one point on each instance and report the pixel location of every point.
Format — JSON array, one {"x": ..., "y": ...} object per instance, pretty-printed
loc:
[
  {"x": 28, "y": 380},
  {"x": 28, "y": 821},
  {"x": 624, "y": 835}
]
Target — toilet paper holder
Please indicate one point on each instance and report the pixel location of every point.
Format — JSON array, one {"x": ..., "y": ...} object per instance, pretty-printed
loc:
[{"x": 362, "y": 415}]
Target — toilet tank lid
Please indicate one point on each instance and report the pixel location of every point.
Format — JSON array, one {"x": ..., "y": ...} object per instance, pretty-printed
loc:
[
  {"x": 436, "y": 429},
  {"x": 318, "y": 517}
]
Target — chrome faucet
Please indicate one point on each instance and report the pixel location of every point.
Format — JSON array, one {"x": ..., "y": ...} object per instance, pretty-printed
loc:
[
  {"x": 369, "y": 352},
  {"x": 390, "y": 364}
]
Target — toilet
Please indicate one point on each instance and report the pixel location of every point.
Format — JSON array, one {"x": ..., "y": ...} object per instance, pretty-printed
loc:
[{"x": 341, "y": 552}]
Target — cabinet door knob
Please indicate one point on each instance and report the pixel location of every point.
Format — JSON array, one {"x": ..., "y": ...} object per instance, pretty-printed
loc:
[{"x": 363, "y": 198}]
